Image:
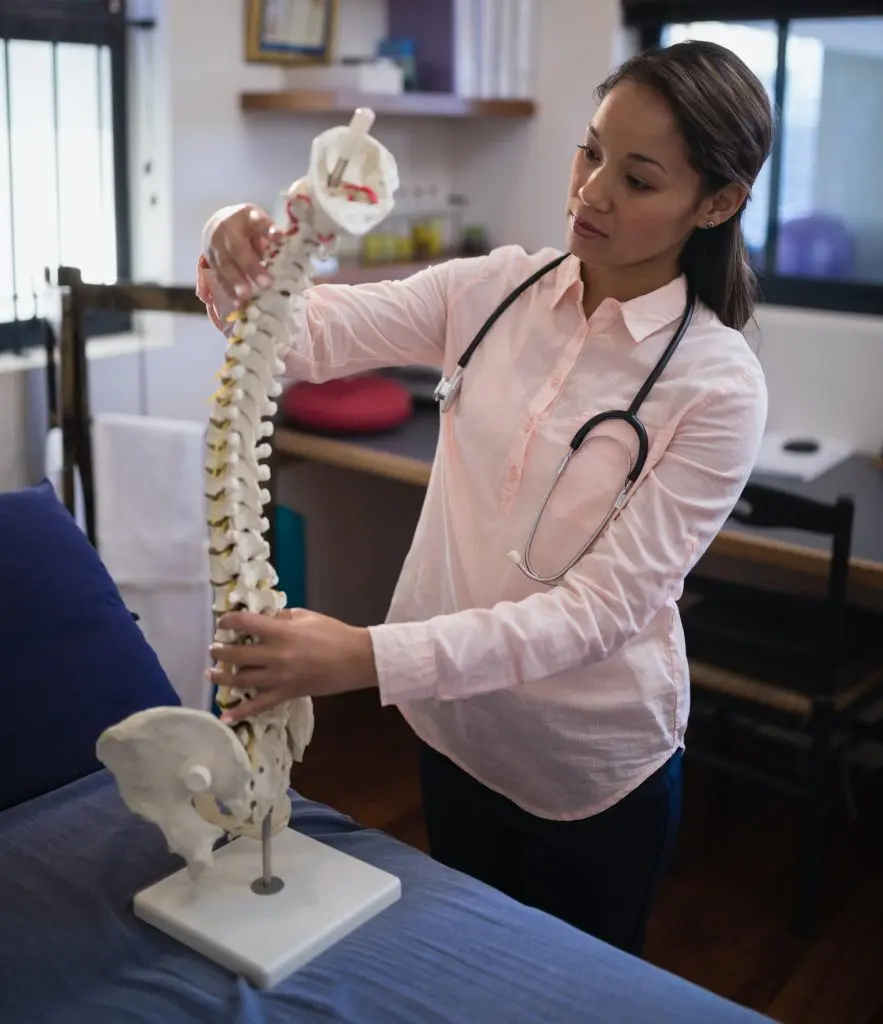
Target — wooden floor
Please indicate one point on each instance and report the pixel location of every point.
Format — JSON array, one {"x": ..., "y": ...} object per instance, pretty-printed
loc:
[{"x": 722, "y": 919}]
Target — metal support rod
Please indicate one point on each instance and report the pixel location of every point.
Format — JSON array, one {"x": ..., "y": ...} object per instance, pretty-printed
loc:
[
  {"x": 359, "y": 127},
  {"x": 267, "y": 884},
  {"x": 266, "y": 850}
]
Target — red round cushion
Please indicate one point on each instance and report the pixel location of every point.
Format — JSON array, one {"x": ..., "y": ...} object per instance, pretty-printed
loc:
[{"x": 354, "y": 405}]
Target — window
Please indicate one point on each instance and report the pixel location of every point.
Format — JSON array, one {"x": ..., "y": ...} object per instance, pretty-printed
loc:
[
  {"x": 814, "y": 225},
  {"x": 832, "y": 145},
  {"x": 63, "y": 158}
]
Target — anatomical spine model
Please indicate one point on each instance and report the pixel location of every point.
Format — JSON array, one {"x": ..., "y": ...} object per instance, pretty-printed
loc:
[{"x": 193, "y": 776}]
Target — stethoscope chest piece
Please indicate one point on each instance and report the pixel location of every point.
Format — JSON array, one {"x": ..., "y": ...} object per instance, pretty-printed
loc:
[{"x": 448, "y": 388}]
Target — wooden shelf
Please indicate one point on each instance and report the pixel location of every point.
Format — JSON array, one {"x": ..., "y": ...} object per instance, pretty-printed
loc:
[{"x": 407, "y": 104}]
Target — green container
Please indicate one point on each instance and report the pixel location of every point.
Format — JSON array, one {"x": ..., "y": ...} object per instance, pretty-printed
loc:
[{"x": 290, "y": 558}]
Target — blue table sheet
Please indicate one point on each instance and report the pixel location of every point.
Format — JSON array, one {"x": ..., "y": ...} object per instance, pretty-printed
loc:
[{"x": 451, "y": 950}]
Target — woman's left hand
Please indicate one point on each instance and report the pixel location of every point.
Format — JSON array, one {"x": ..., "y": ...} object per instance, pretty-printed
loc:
[{"x": 295, "y": 654}]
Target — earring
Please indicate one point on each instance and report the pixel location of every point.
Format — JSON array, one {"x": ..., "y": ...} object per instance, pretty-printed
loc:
[{"x": 709, "y": 224}]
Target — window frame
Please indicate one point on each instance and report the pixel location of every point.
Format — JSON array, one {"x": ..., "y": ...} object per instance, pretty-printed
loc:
[
  {"x": 99, "y": 23},
  {"x": 651, "y": 17}
]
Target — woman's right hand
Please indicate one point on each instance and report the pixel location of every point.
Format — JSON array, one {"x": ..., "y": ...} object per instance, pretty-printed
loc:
[{"x": 235, "y": 244}]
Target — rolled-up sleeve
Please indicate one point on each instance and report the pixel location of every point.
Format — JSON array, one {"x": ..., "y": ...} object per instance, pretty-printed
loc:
[{"x": 611, "y": 595}]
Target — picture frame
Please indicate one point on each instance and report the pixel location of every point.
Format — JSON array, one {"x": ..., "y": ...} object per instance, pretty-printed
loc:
[{"x": 290, "y": 31}]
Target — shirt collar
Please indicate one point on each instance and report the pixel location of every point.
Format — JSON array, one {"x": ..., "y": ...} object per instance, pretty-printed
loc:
[
  {"x": 642, "y": 316},
  {"x": 649, "y": 313},
  {"x": 567, "y": 277}
]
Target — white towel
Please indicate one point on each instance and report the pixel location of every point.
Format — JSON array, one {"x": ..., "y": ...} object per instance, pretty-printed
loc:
[
  {"x": 152, "y": 535},
  {"x": 150, "y": 506},
  {"x": 176, "y": 620}
]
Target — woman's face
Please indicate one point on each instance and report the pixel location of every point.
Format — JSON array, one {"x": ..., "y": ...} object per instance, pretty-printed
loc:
[{"x": 634, "y": 196}]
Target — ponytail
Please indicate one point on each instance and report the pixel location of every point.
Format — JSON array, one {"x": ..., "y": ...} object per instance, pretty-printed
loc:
[{"x": 715, "y": 262}]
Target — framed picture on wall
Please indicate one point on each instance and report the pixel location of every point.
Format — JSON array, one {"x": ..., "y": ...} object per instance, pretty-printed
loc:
[{"x": 290, "y": 31}]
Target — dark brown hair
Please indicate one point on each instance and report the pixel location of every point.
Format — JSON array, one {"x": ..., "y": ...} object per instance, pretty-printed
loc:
[{"x": 726, "y": 120}]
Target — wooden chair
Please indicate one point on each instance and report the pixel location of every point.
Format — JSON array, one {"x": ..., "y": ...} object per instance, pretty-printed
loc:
[{"x": 810, "y": 664}]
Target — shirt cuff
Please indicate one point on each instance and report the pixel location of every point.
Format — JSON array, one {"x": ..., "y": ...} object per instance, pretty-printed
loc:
[{"x": 405, "y": 661}]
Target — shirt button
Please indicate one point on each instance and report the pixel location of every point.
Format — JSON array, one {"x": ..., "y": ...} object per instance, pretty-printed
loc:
[{"x": 556, "y": 380}]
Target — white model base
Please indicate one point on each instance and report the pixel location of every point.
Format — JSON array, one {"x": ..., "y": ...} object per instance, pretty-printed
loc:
[{"x": 326, "y": 895}]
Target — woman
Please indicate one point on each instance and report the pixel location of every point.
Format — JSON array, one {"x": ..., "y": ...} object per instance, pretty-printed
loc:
[{"x": 552, "y": 718}]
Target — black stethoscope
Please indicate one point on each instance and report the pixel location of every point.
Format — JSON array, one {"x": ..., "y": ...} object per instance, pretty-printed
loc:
[{"x": 448, "y": 388}]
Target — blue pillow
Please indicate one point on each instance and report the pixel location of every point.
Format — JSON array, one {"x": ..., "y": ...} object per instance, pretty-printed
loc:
[{"x": 72, "y": 659}]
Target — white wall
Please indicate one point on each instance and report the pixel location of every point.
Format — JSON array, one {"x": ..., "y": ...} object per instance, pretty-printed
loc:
[
  {"x": 203, "y": 152},
  {"x": 823, "y": 373}
]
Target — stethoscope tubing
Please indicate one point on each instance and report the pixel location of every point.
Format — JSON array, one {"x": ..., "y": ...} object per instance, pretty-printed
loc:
[{"x": 449, "y": 387}]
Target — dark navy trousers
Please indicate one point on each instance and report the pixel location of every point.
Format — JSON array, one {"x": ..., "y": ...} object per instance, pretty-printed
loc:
[{"x": 600, "y": 874}]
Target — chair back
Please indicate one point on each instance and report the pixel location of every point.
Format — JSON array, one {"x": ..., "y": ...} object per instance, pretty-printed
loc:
[{"x": 766, "y": 507}]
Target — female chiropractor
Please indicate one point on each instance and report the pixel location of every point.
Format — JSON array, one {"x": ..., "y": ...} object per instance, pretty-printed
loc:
[{"x": 551, "y": 705}]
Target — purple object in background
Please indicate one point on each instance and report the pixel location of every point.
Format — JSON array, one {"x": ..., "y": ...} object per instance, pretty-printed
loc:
[
  {"x": 431, "y": 26},
  {"x": 817, "y": 245}
]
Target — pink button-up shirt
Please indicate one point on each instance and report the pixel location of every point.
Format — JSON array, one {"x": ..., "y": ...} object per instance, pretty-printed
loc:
[{"x": 562, "y": 698}]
